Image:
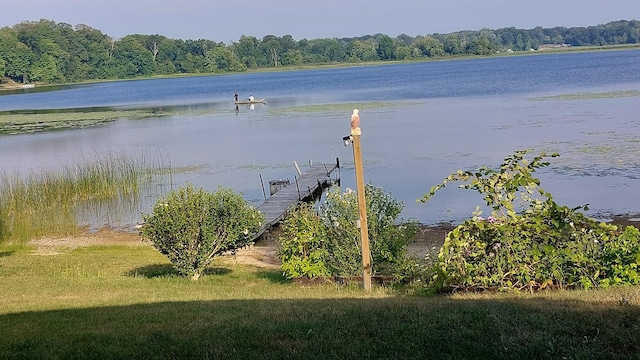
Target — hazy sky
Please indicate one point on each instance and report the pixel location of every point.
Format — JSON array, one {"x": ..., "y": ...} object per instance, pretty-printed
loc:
[{"x": 226, "y": 21}]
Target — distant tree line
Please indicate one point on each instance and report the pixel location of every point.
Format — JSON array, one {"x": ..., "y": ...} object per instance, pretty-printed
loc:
[{"x": 48, "y": 52}]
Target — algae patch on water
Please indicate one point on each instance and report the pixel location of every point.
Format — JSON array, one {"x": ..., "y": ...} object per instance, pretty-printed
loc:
[
  {"x": 17, "y": 123},
  {"x": 335, "y": 109},
  {"x": 587, "y": 96}
]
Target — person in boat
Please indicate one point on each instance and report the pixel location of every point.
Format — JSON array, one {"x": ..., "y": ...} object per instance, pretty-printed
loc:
[
  {"x": 251, "y": 98},
  {"x": 235, "y": 96}
]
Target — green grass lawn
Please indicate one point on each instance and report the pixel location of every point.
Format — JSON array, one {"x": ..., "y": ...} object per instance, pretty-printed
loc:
[{"x": 126, "y": 302}]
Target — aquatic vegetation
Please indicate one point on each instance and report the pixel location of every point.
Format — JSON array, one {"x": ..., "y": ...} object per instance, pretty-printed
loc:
[
  {"x": 585, "y": 96},
  {"x": 48, "y": 203},
  {"x": 17, "y": 123},
  {"x": 338, "y": 109}
]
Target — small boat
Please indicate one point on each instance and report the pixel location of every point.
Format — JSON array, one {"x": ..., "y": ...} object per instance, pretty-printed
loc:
[{"x": 249, "y": 102}]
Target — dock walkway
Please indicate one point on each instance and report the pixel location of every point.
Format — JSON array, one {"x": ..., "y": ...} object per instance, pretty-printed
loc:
[{"x": 308, "y": 186}]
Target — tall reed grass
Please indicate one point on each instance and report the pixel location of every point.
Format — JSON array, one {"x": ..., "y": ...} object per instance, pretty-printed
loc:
[{"x": 48, "y": 202}]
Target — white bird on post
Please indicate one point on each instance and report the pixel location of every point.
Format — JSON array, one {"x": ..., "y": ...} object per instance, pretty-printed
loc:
[{"x": 355, "y": 123}]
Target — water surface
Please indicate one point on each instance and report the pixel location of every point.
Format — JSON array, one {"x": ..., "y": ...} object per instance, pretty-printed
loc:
[{"x": 438, "y": 117}]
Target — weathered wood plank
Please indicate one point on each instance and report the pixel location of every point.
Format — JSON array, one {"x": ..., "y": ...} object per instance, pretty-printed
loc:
[{"x": 314, "y": 180}]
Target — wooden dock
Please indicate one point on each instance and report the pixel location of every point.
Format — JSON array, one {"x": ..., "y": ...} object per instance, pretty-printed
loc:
[{"x": 306, "y": 187}]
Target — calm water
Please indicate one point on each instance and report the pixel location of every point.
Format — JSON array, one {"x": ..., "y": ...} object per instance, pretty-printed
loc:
[{"x": 445, "y": 116}]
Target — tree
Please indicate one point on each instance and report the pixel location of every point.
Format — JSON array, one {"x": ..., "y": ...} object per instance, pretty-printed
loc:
[
  {"x": 326, "y": 50},
  {"x": 192, "y": 226},
  {"x": 362, "y": 51},
  {"x": 191, "y": 64},
  {"x": 220, "y": 59},
  {"x": 452, "y": 44},
  {"x": 271, "y": 49},
  {"x": 481, "y": 46},
  {"x": 48, "y": 68},
  {"x": 635, "y": 31},
  {"x": 17, "y": 57},
  {"x": 403, "y": 53},
  {"x": 385, "y": 48},
  {"x": 430, "y": 46},
  {"x": 53, "y": 52},
  {"x": 247, "y": 51},
  {"x": 132, "y": 58},
  {"x": 292, "y": 57}
]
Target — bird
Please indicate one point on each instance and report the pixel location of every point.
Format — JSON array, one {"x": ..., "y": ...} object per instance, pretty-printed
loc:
[{"x": 355, "y": 120}]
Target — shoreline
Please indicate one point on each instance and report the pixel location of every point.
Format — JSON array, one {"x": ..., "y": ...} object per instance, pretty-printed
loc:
[
  {"x": 261, "y": 254},
  {"x": 433, "y": 235},
  {"x": 545, "y": 51}
]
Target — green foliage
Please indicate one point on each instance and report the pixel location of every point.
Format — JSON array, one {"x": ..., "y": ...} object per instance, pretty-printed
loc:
[
  {"x": 221, "y": 59},
  {"x": 504, "y": 189},
  {"x": 542, "y": 245},
  {"x": 621, "y": 258},
  {"x": 301, "y": 244},
  {"x": 328, "y": 242},
  {"x": 192, "y": 226},
  {"x": 49, "y": 52},
  {"x": 559, "y": 251}
]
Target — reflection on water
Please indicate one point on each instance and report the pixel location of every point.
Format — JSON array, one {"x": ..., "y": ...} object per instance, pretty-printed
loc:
[{"x": 32, "y": 89}]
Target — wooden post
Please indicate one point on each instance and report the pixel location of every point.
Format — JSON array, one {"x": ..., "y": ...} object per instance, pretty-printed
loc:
[{"x": 362, "y": 203}]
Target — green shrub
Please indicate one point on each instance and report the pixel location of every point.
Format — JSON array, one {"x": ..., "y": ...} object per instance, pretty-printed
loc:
[
  {"x": 388, "y": 240},
  {"x": 521, "y": 252},
  {"x": 328, "y": 242},
  {"x": 302, "y": 249},
  {"x": 621, "y": 258},
  {"x": 541, "y": 245},
  {"x": 192, "y": 226}
]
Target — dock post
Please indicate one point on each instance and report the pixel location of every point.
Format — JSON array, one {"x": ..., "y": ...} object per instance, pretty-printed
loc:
[
  {"x": 295, "y": 164},
  {"x": 362, "y": 203}
]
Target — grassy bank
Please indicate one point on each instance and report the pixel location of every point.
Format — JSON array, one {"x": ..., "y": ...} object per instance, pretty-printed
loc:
[
  {"x": 48, "y": 202},
  {"x": 125, "y": 302}
]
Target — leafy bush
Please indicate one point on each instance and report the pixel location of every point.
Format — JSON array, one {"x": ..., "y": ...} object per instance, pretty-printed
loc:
[
  {"x": 621, "y": 258},
  {"x": 328, "y": 242},
  {"x": 522, "y": 252},
  {"x": 192, "y": 226},
  {"x": 301, "y": 244},
  {"x": 388, "y": 240},
  {"x": 542, "y": 245}
]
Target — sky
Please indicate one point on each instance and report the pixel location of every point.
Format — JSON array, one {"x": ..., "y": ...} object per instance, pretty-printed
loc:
[{"x": 227, "y": 21}]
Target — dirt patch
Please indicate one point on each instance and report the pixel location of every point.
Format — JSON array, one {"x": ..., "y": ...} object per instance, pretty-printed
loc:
[
  {"x": 262, "y": 254},
  {"x": 625, "y": 220},
  {"x": 53, "y": 246},
  {"x": 429, "y": 239}
]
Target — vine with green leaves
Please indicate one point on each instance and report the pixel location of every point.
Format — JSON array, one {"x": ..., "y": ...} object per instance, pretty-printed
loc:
[{"x": 530, "y": 241}]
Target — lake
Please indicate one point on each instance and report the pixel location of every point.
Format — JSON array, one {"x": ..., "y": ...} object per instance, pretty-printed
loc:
[{"x": 420, "y": 122}]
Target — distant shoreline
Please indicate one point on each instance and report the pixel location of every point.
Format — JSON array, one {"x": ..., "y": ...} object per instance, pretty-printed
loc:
[{"x": 8, "y": 86}]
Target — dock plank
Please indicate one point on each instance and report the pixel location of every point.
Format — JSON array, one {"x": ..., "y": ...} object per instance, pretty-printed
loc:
[{"x": 304, "y": 188}]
